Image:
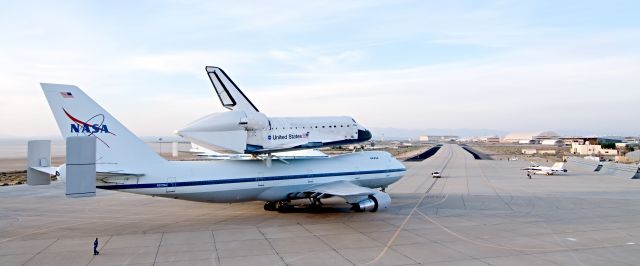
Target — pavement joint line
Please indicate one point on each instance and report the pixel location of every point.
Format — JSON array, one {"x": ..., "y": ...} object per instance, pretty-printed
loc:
[
  {"x": 38, "y": 253},
  {"x": 325, "y": 242},
  {"x": 415, "y": 208},
  {"x": 158, "y": 248},
  {"x": 406, "y": 220},
  {"x": 271, "y": 245},
  {"x": 215, "y": 246},
  {"x": 484, "y": 176},
  {"x": 40, "y": 231},
  {"x": 511, "y": 248}
]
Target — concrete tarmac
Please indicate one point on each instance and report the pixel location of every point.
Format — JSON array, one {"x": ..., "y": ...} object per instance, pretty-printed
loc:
[{"x": 478, "y": 213}]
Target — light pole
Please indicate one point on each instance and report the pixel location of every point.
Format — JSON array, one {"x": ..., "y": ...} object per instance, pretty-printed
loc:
[{"x": 160, "y": 141}]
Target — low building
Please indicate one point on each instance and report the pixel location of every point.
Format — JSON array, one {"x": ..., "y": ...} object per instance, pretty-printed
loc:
[
  {"x": 589, "y": 149},
  {"x": 572, "y": 139},
  {"x": 435, "y": 138},
  {"x": 552, "y": 142},
  {"x": 632, "y": 140},
  {"x": 621, "y": 145},
  {"x": 529, "y": 151}
]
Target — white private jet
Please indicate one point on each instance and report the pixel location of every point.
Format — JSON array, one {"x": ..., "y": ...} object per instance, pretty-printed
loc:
[
  {"x": 244, "y": 129},
  {"x": 545, "y": 170},
  {"x": 125, "y": 163}
]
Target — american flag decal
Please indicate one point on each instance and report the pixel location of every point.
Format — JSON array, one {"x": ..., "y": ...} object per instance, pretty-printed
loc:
[{"x": 66, "y": 94}]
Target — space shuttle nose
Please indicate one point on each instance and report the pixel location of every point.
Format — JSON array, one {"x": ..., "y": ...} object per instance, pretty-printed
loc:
[{"x": 364, "y": 135}]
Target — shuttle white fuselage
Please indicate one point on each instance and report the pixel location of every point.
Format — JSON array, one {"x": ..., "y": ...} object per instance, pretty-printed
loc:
[{"x": 244, "y": 129}]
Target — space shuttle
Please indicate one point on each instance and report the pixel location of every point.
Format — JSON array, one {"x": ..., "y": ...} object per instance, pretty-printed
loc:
[{"x": 244, "y": 129}]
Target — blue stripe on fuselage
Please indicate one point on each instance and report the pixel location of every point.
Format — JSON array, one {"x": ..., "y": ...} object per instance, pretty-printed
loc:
[{"x": 244, "y": 180}]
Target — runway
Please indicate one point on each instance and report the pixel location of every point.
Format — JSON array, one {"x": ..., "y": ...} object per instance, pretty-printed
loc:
[{"x": 479, "y": 213}]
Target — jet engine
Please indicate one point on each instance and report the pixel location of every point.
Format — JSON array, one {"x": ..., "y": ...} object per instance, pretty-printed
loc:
[{"x": 375, "y": 202}]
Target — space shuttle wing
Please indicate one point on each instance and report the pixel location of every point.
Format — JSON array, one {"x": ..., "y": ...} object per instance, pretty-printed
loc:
[
  {"x": 228, "y": 92},
  {"x": 342, "y": 189}
]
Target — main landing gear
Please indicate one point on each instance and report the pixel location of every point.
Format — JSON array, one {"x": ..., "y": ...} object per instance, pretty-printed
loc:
[
  {"x": 280, "y": 206},
  {"x": 286, "y": 206}
]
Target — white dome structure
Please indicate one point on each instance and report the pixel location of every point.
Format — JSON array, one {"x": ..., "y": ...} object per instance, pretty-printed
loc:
[{"x": 519, "y": 137}]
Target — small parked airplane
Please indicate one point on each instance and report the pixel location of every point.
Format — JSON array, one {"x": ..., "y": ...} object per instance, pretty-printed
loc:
[
  {"x": 545, "y": 170},
  {"x": 126, "y": 163},
  {"x": 244, "y": 129}
]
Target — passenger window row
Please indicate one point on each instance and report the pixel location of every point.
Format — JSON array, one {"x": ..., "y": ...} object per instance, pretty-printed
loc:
[{"x": 334, "y": 126}]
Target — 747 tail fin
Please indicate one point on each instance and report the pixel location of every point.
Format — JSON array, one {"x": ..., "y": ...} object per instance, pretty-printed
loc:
[{"x": 78, "y": 115}]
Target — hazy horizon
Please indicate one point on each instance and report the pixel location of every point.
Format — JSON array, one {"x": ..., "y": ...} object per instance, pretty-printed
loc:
[
  {"x": 495, "y": 66},
  {"x": 387, "y": 133}
]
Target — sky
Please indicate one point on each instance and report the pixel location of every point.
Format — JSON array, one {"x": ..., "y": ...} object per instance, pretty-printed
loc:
[{"x": 568, "y": 66}]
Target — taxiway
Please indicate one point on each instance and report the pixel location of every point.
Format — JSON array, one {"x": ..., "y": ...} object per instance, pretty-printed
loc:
[{"x": 481, "y": 212}]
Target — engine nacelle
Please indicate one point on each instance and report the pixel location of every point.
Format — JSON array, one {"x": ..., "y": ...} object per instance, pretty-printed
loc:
[{"x": 375, "y": 202}]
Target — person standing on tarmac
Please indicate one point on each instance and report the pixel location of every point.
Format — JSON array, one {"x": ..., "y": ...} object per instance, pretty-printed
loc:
[{"x": 95, "y": 247}]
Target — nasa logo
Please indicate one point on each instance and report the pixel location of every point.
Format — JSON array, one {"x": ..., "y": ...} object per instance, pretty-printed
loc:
[
  {"x": 90, "y": 127},
  {"x": 86, "y": 128}
]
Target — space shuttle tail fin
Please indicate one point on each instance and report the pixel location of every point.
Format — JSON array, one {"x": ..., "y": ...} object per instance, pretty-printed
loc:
[{"x": 228, "y": 92}]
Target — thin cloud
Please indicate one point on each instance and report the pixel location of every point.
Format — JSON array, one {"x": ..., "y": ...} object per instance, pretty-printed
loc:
[{"x": 493, "y": 65}]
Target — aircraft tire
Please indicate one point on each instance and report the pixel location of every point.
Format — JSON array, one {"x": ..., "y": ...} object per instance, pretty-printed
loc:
[
  {"x": 270, "y": 206},
  {"x": 283, "y": 206}
]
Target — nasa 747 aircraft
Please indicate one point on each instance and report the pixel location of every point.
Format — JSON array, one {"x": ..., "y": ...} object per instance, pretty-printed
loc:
[
  {"x": 545, "y": 170},
  {"x": 244, "y": 129},
  {"x": 125, "y": 163}
]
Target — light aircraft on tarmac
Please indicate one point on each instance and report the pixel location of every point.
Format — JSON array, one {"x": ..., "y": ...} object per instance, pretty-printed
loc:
[
  {"x": 545, "y": 170},
  {"x": 244, "y": 129},
  {"x": 126, "y": 163}
]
